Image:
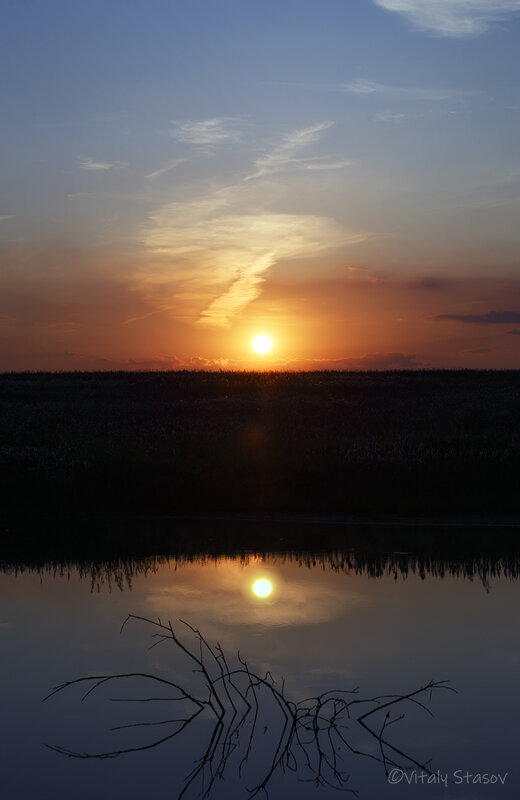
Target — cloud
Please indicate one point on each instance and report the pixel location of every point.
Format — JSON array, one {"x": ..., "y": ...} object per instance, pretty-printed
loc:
[
  {"x": 221, "y": 255},
  {"x": 388, "y": 116},
  {"x": 369, "y": 361},
  {"x": 218, "y": 248},
  {"x": 368, "y": 87},
  {"x": 515, "y": 332},
  {"x": 156, "y": 363},
  {"x": 491, "y": 318},
  {"x": 159, "y": 363},
  {"x": 96, "y": 166},
  {"x": 317, "y": 164},
  {"x": 203, "y": 363},
  {"x": 152, "y": 364},
  {"x": 175, "y": 162},
  {"x": 287, "y": 152},
  {"x": 230, "y": 584},
  {"x": 207, "y": 131},
  {"x": 377, "y": 361},
  {"x": 458, "y": 18},
  {"x": 6, "y": 216},
  {"x": 426, "y": 283},
  {"x": 429, "y": 283}
]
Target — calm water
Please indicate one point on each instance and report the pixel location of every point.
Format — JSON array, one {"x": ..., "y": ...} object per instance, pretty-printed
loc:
[{"x": 329, "y": 623}]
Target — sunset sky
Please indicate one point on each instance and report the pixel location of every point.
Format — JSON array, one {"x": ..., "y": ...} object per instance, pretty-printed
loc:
[{"x": 179, "y": 177}]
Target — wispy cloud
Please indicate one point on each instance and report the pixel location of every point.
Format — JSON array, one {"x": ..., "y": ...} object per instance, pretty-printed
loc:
[
  {"x": 6, "y": 216},
  {"x": 318, "y": 164},
  {"x": 219, "y": 248},
  {"x": 174, "y": 162},
  {"x": 458, "y": 18},
  {"x": 390, "y": 116},
  {"x": 369, "y": 87},
  {"x": 491, "y": 318},
  {"x": 287, "y": 153},
  {"x": 217, "y": 130},
  {"x": 88, "y": 163},
  {"x": 201, "y": 362}
]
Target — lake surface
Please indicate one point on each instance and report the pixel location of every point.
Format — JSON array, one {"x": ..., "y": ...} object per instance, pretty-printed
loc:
[{"x": 332, "y": 621}]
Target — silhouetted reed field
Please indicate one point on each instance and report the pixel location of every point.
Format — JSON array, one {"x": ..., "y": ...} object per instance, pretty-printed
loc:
[{"x": 310, "y": 442}]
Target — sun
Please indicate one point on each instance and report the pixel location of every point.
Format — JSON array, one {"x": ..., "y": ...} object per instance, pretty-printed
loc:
[
  {"x": 262, "y": 344},
  {"x": 262, "y": 588}
]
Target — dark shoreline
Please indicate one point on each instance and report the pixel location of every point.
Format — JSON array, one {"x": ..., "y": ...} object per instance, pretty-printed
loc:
[
  {"x": 33, "y": 541},
  {"x": 409, "y": 443}
]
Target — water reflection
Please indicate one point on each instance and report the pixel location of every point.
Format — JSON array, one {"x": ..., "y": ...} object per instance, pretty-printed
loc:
[
  {"x": 120, "y": 572},
  {"x": 121, "y": 547},
  {"x": 308, "y": 738},
  {"x": 262, "y": 587},
  {"x": 387, "y": 610}
]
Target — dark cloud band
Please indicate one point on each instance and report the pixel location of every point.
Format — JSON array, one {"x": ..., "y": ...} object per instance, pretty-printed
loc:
[{"x": 491, "y": 318}]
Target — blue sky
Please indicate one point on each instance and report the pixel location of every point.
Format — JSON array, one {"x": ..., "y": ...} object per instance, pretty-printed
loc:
[{"x": 193, "y": 161}]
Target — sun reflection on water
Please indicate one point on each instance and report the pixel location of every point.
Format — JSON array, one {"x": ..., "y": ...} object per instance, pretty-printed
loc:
[{"x": 262, "y": 588}]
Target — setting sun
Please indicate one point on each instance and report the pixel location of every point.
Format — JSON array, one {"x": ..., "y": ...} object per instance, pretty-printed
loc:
[{"x": 262, "y": 344}]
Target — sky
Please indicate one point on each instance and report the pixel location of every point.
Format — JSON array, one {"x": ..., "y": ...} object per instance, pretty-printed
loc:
[{"x": 342, "y": 176}]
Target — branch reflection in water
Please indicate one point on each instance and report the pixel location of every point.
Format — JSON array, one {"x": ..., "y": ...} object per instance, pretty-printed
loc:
[{"x": 308, "y": 738}]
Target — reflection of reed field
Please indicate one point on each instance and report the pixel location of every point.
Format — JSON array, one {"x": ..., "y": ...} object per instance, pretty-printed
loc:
[
  {"x": 115, "y": 550},
  {"x": 337, "y": 442},
  {"x": 314, "y": 739}
]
